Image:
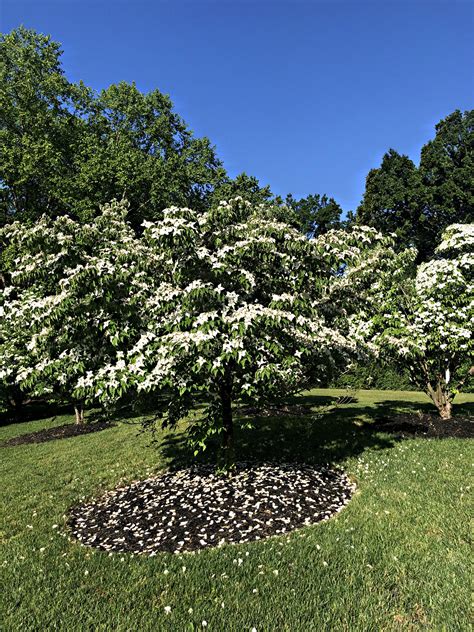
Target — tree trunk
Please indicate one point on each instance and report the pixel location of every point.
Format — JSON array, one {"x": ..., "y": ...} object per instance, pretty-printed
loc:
[
  {"x": 227, "y": 447},
  {"x": 79, "y": 410},
  {"x": 16, "y": 402},
  {"x": 446, "y": 409},
  {"x": 441, "y": 398}
]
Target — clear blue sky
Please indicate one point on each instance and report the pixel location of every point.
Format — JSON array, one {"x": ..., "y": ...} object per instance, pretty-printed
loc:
[{"x": 305, "y": 95}]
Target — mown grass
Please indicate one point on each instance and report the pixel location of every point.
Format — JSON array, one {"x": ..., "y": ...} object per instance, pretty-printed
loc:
[{"x": 397, "y": 558}]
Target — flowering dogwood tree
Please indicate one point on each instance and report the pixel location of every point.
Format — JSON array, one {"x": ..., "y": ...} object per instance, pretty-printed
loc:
[
  {"x": 230, "y": 317},
  {"x": 425, "y": 323},
  {"x": 238, "y": 313},
  {"x": 68, "y": 307}
]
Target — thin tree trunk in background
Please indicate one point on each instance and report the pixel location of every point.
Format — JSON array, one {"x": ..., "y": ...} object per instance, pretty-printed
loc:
[
  {"x": 79, "y": 411},
  {"x": 441, "y": 399},
  {"x": 16, "y": 402}
]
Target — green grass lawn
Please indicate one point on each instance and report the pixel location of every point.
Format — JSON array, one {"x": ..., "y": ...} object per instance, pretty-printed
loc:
[{"x": 397, "y": 558}]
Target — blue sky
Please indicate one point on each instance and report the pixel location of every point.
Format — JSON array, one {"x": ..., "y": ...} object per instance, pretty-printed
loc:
[{"x": 305, "y": 95}]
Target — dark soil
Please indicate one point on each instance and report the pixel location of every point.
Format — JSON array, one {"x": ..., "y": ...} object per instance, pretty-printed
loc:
[
  {"x": 195, "y": 508},
  {"x": 425, "y": 425},
  {"x": 60, "y": 432}
]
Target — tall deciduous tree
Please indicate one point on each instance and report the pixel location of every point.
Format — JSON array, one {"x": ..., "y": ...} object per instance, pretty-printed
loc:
[
  {"x": 136, "y": 146},
  {"x": 67, "y": 149},
  {"x": 39, "y": 116}
]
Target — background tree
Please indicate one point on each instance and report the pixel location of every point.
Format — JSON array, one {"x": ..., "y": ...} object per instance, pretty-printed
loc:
[
  {"x": 417, "y": 204},
  {"x": 39, "y": 116},
  {"x": 244, "y": 186},
  {"x": 136, "y": 146},
  {"x": 447, "y": 171},
  {"x": 66, "y": 149},
  {"x": 316, "y": 213},
  {"x": 394, "y": 202}
]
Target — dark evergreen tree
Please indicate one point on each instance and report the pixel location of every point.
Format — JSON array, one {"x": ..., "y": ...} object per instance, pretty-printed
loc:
[
  {"x": 447, "y": 171},
  {"x": 417, "y": 204},
  {"x": 394, "y": 200}
]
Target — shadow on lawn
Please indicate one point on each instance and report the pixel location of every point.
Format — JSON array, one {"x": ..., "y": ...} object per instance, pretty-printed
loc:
[
  {"x": 324, "y": 435},
  {"x": 35, "y": 410},
  {"x": 329, "y": 437}
]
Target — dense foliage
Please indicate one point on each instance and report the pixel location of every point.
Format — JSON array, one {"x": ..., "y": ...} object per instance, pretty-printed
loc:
[
  {"x": 373, "y": 374},
  {"x": 317, "y": 214},
  {"x": 68, "y": 305},
  {"x": 66, "y": 148}
]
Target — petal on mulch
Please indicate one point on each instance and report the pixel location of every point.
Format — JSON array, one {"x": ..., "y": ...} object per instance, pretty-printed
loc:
[{"x": 195, "y": 508}]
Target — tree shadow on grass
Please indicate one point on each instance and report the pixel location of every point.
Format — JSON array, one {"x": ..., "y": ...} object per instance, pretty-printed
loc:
[
  {"x": 32, "y": 411},
  {"x": 325, "y": 435},
  {"x": 131, "y": 413},
  {"x": 329, "y": 438},
  {"x": 388, "y": 407}
]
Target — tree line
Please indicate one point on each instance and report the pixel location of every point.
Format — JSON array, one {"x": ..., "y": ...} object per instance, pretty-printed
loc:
[{"x": 67, "y": 149}]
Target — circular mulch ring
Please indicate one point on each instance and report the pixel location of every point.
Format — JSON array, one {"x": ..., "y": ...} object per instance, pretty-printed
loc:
[{"x": 195, "y": 508}]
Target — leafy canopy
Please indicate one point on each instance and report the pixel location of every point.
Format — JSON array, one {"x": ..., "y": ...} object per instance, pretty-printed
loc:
[
  {"x": 317, "y": 214},
  {"x": 66, "y": 149}
]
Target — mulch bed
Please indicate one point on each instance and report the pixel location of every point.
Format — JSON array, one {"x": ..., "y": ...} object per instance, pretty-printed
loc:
[
  {"x": 430, "y": 426},
  {"x": 59, "y": 432},
  {"x": 195, "y": 508}
]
